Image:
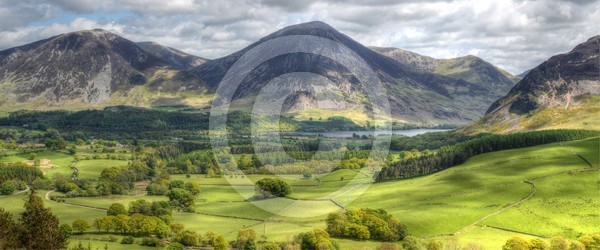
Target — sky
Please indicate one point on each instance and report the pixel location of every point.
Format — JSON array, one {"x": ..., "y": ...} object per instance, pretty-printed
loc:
[{"x": 515, "y": 35}]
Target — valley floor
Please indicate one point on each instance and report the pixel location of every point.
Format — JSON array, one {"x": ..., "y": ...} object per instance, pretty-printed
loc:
[{"x": 540, "y": 191}]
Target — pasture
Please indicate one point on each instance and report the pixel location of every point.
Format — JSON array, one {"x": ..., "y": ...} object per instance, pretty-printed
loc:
[{"x": 483, "y": 200}]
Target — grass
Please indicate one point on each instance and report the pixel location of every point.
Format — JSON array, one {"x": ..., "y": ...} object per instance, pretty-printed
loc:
[
  {"x": 566, "y": 202},
  {"x": 61, "y": 162},
  {"x": 106, "y": 201},
  {"x": 93, "y": 168}
]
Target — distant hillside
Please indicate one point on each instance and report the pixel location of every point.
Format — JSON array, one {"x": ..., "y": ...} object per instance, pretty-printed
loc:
[
  {"x": 562, "y": 92},
  {"x": 176, "y": 58},
  {"x": 469, "y": 68}
]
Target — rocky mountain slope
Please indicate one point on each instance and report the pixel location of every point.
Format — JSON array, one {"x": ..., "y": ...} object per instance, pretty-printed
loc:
[
  {"x": 416, "y": 96},
  {"x": 96, "y": 68},
  {"x": 176, "y": 58},
  {"x": 84, "y": 68},
  {"x": 562, "y": 92}
]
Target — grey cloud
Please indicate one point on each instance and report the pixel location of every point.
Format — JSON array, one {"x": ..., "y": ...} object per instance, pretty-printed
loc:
[{"x": 516, "y": 35}]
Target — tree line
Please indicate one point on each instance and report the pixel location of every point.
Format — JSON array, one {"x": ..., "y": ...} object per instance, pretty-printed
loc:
[{"x": 457, "y": 154}]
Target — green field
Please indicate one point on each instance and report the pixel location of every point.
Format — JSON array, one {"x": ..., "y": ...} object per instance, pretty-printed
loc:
[
  {"x": 93, "y": 168},
  {"x": 477, "y": 201},
  {"x": 57, "y": 162}
]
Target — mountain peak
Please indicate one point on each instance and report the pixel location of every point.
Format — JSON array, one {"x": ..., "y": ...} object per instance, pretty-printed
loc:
[{"x": 311, "y": 24}]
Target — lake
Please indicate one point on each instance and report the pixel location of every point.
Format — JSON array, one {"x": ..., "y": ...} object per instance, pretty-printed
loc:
[{"x": 346, "y": 134}]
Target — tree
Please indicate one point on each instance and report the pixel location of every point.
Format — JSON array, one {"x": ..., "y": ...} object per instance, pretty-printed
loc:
[
  {"x": 216, "y": 240},
  {"x": 121, "y": 223},
  {"x": 66, "y": 230},
  {"x": 40, "y": 226},
  {"x": 190, "y": 239},
  {"x": 193, "y": 188},
  {"x": 176, "y": 184},
  {"x": 516, "y": 243},
  {"x": 243, "y": 236},
  {"x": 591, "y": 241},
  {"x": 539, "y": 244},
  {"x": 7, "y": 188},
  {"x": 182, "y": 198},
  {"x": 412, "y": 243},
  {"x": 80, "y": 225},
  {"x": 245, "y": 162},
  {"x": 435, "y": 245},
  {"x": 559, "y": 242},
  {"x": 365, "y": 224},
  {"x": 9, "y": 231},
  {"x": 104, "y": 223},
  {"x": 316, "y": 239},
  {"x": 116, "y": 209},
  {"x": 271, "y": 187},
  {"x": 177, "y": 228}
]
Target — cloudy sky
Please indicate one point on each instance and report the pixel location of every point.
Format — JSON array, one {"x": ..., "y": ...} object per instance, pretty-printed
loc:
[{"x": 513, "y": 34}]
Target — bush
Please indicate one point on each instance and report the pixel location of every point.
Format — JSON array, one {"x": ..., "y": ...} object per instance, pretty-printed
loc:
[
  {"x": 151, "y": 242},
  {"x": 176, "y": 246},
  {"x": 270, "y": 187},
  {"x": 127, "y": 240},
  {"x": 516, "y": 243},
  {"x": 316, "y": 239},
  {"x": 112, "y": 238},
  {"x": 8, "y": 188},
  {"x": 365, "y": 224}
]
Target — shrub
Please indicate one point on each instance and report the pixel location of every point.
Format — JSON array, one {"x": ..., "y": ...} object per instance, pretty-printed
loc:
[
  {"x": 516, "y": 243},
  {"x": 365, "y": 224},
  {"x": 176, "y": 246},
  {"x": 151, "y": 242},
  {"x": 127, "y": 240},
  {"x": 8, "y": 188}
]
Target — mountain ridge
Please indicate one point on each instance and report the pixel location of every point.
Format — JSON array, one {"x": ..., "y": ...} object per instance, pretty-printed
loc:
[
  {"x": 416, "y": 96},
  {"x": 149, "y": 74},
  {"x": 561, "y": 92}
]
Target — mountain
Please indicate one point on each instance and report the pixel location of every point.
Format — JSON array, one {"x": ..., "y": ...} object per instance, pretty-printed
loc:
[
  {"x": 562, "y": 92},
  {"x": 416, "y": 96},
  {"x": 96, "y": 68},
  {"x": 524, "y": 73},
  {"x": 85, "y": 68},
  {"x": 176, "y": 58},
  {"x": 469, "y": 68}
]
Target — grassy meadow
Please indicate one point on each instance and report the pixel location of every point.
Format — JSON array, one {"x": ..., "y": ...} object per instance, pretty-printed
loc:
[{"x": 473, "y": 202}]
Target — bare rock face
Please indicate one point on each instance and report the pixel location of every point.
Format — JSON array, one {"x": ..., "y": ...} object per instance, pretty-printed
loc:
[{"x": 85, "y": 67}]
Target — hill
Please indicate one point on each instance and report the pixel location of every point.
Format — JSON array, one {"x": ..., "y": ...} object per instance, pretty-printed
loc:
[
  {"x": 416, "y": 96},
  {"x": 176, "y": 58},
  {"x": 562, "y": 92},
  {"x": 85, "y": 69},
  {"x": 95, "y": 69},
  {"x": 469, "y": 68}
]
